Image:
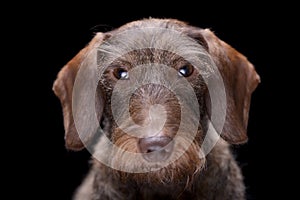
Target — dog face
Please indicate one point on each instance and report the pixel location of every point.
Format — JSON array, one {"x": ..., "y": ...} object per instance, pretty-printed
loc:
[{"x": 157, "y": 86}]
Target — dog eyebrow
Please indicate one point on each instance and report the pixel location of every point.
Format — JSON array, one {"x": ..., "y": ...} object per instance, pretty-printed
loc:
[{"x": 148, "y": 56}]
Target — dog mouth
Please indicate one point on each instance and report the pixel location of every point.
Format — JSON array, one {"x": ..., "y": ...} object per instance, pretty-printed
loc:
[
  {"x": 170, "y": 164},
  {"x": 152, "y": 154}
]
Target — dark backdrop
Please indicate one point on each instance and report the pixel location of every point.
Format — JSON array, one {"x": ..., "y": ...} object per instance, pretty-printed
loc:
[{"x": 49, "y": 35}]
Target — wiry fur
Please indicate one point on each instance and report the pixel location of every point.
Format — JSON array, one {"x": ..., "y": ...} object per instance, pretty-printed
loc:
[
  {"x": 152, "y": 43},
  {"x": 220, "y": 178}
]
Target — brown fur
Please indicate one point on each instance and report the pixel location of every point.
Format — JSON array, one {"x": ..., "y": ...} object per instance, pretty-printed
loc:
[{"x": 215, "y": 176}]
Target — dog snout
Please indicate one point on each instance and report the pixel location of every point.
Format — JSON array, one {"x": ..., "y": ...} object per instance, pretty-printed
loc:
[{"x": 155, "y": 149}]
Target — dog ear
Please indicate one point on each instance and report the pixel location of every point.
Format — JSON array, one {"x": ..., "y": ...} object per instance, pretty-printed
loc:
[
  {"x": 240, "y": 80},
  {"x": 63, "y": 89}
]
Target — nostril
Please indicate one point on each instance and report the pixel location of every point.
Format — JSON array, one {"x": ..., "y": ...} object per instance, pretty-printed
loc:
[
  {"x": 155, "y": 148},
  {"x": 150, "y": 144}
]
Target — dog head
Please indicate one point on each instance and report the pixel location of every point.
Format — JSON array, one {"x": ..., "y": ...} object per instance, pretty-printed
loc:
[{"x": 155, "y": 80}]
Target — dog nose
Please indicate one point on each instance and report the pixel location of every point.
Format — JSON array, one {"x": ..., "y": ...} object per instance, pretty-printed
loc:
[{"x": 155, "y": 149}]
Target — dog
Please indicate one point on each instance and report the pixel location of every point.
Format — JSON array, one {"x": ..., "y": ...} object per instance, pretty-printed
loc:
[{"x": 158, "y": 102}]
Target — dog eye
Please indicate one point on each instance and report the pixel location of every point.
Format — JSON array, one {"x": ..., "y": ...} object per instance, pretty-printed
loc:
[
  {"x": 121, "y": 73},
  {"x": 186, "y": 70}
]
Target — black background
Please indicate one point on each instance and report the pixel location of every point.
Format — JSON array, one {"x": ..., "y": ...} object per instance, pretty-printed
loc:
[{"x": 47, "y": 36}]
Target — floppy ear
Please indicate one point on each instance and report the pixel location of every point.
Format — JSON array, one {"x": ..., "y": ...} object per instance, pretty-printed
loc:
[
  {"x": 240, "y": 80},
  {"x": 63, "y": 89}
]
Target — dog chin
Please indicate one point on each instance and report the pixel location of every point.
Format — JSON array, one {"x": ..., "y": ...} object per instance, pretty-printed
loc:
[
  {"x": 180, "y": 172},
  {"x": 181, "y": 176}
]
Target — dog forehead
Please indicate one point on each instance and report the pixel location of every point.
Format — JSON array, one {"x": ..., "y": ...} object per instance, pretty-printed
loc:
[
  {"x": 160, "y": 40},
  {"x": 163, "y": 41},
  {"x": 152, "y": 32}
]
